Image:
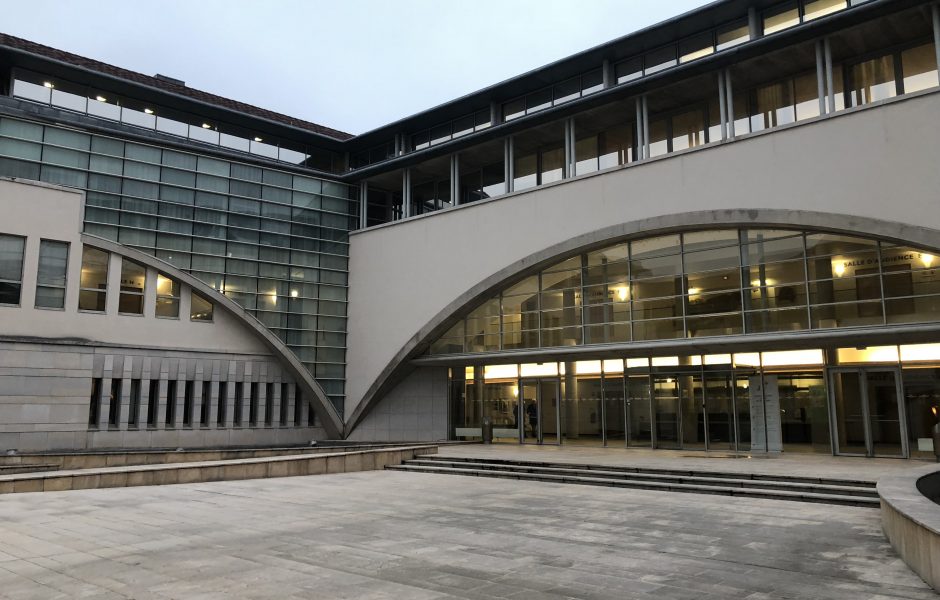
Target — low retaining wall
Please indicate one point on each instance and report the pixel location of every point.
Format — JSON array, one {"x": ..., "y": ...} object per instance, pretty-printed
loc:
[
  {"x": 911, "y": 520},
  {"x": 222, "y": 470},
  {"x": 119, "y": 458}
]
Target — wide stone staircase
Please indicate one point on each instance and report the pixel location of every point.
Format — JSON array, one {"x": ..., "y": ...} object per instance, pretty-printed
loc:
[{"x": 800, "y": 489}]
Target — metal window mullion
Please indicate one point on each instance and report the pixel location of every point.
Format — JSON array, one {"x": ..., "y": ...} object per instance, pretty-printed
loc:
[
  {"x": 722, "y": 105},
  {"x": 685, "y": 287},
  {"x": 935, "y": 19},
  {"x": 646, "y": 128},
  {"x": 630, "y": 295},
  {"x": 809, "y": 312},
  {"x": 830, "y": 80},
  {"x": 745, "y": 278},
  {"x": 821, "y": 76},
  {"x": 729, "y": 97},
  {"x": 881, "y": 283}
]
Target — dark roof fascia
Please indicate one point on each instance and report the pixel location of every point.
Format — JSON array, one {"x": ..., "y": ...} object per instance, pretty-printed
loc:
[
  {"x": 650, "y": 38},
  {"x": 20, "y": 58},
  {"x": 806, "y": 32}
]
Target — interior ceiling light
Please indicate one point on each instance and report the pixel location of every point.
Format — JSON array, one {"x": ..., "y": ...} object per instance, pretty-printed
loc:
[
  {"x": 101, "y": 99},
  {"x": 206, "y": 126},
  {"x": 48, "y": 84},
  {"x": 257, "y": 139},
  {"x": 148, "y": 111}
]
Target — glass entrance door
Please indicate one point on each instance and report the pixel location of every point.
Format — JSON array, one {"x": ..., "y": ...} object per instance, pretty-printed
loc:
[
  {"x": 538, "y": 406},
  {"x": 868, "y": 414}
]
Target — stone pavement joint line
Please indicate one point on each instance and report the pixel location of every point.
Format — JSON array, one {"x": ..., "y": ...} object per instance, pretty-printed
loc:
[{"x": 389, "y": 535}]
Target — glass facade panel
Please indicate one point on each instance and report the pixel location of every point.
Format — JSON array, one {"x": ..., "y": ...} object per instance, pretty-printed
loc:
[
  {"x": 94, "y": 280},
  {"x": 11, "y": 268}
]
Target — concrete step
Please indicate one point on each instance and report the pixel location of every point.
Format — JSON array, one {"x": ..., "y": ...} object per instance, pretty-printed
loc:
[
  {"x": 730, "y": 487},
  {"x": 696, "y": 479},
  {"x": 13, "y": 469},
  {"x": 860, "y": 483}
]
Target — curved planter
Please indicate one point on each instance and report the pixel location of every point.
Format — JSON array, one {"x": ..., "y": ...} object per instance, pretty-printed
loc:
[{"x": 911, "y": 520}]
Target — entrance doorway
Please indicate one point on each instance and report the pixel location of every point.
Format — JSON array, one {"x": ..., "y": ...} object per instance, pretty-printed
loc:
[
  {"x": 868, "y": 412},
  {"x": 538, "y": 411}
]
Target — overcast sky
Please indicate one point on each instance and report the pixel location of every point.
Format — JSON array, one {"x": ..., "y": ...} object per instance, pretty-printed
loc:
[{"x": 349, "y": 64}]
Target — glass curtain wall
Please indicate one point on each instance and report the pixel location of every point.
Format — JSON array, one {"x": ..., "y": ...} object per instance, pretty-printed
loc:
[
  {"x": 275, "y": 242},
  {"x": 538, "y": 156},
  {"x": 701, "y": 284}
]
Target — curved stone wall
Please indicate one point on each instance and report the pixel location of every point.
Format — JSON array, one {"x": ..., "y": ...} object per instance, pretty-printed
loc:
[{"x": 911, "y": 519}]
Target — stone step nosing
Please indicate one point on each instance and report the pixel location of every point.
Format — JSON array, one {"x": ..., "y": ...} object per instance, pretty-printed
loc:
[
  {"x": 653, "y": 486},
  {"x": 738, "y": 482},
  {"x": 666, "y": 471}
]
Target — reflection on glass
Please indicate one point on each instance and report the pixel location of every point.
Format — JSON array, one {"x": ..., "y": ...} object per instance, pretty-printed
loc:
[
  {"x": 872, "y": 80},
  {"x": 919, "y": 67},
  {"x": 168, "y": 297},
  {"x": 200, "y": 309},
  {"x": 133, "y": 278},
  {"x": 94, "y": 280},
  {"x": 781, "y": 18}
]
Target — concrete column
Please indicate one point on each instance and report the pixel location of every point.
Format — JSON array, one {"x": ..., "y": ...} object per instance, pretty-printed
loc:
[
  {"x": 509, "y": 163},
  {"x": 646, "y": 127},
  {"x": 935, "y": 17},
  {"x": 640, "y": 143},
  {"x": 753, "y": 23},
  {"x": 608, "y": 72},
  {"x": 114, "y": 284},
  {"x": 363, "y": 204},
  {"x": 722, "y": 105},
  {"x": 406, "y": 193},
  {"x": 494, "y": 114},
  {"x": 830, "y": 80},
  {"x": 455, "y": 179},
  {"x": 821, "y": 76},
  {"x": 729, "y": 97},
  {"x": 569, "y": 148}
]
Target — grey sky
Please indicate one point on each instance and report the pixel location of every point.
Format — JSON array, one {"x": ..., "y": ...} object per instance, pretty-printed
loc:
[{"x": 349, "y": 64}]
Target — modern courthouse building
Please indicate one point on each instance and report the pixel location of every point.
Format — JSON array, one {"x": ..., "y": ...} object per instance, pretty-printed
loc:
[{"x": 718, "y": 233}]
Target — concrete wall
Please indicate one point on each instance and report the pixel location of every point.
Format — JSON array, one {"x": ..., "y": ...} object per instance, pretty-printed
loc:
[
  {"x": 872, "y": 170},
  {"x": 415, "y": 410},
  {"x": 49, "y": 357}
]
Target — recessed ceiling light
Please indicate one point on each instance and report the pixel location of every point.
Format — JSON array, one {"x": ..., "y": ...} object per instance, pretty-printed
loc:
[
  {"x": 48, "y": 84},
  {"x": 149, "y": 111},
  {"x": 206, "y": 126},
  {"x": 257, "y": 139},
  {"x": 101, "y": 99}
]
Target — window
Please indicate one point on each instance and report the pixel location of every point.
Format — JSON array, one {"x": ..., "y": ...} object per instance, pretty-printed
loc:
[
  {"x": 239, "y": 403},
  {"x": 253, "y": 404},
  {"x": 269, "y": 404},
  {"x": 813, "y": 9},
  {"x": 94, "y": 402},
  {"x": 51, "y": 278},
  {"x": 298, "y": 407},
  {"x": 114, "y": 403},
  {"x": 168, "y": 297},
  {"x": 133, "y": 414},
  {"x": 872, "y": 80},
  {"x": 93, "y": 286},
  {"x": 201, "y": 309},
  {"x": 223, "y": 403},
  {"x": 133, "y": 279},
  {"x": 171, "y": 403},
  {"x": 205, "y": 408},
  {"x": 11, "y": 268},
  {"x": 188, "y": 391},
  {"x": 153, "y": 403},
  {"x": 285, "y": 390},
  {"x": 782, "y": 17}
]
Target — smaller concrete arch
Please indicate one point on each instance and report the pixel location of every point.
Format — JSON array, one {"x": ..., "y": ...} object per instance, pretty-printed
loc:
[
  {"x": 311, "y": 390},
  {"x": 400, "y": 366}
]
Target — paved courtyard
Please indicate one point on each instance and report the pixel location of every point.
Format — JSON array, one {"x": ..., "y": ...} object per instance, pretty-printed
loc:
[{"x": 388, "y": 535}]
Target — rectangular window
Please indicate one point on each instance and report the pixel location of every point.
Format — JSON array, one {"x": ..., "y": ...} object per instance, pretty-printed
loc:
[
  {"x": 781, "y": 18},
  {"x": 239, "y": 403},
  {"x": 168, "y": 297},
  {"x": 628, "y": 70},
  {"x": 253, "y": 404},
  {"x": 872, "y": 80},
  {"x": 114, "y": 403},
  {"x": 298, "y": 407},
  {"x": 188, "y": 392},
  {"x": 223, "y": 404},
  {"x": 205, "y": 408},
  {"x": 133, "y": 280},
  {"x": 813, "y": 9},
  {"x": 696, "y": 47},
  {"x": 919, "y": 67},
  {"x": 11, "y": 268},
  {"x": 732, "y": 35},
  {"x": 153, "y": 402},
  {"x": 93, "y": 285},
  {"x": 94, "y": 403},
  {"x": 133, "y": 410},
  {"x": 285, "y": 390},
  {"x": 269, "y": 404},
  {"x": 658, "y": 60},
  {"x": 200, "y": 309},
  {"x": 51, "y": 277},
  {"x": 170, "y": 404}
]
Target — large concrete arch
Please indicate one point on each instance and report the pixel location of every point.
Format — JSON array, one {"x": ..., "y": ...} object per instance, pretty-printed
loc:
[
  {"x": 310, "y": 389},
  {"x": 400, "y": 366}
]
